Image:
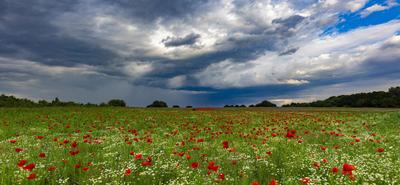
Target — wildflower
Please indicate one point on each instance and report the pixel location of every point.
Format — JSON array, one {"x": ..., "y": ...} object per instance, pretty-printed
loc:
[
  {"x": 380, "y": 150},
  {"x": 31, "y": 176},
  {"x": 273, "y": 182},
  {"x": 21, "y": 163},
  {"x": 74, "y": 144},
  {"x": 195, "y": 165},
  {"x": 51, "y": 168},
  {"x": 291, "y": 134},
  {"x": 255, "y": 183},
  {"x": 85, "y": 169},
  {"x": 305, "y": 180},
  {"x": 13, "y": 141},
  {"x": 29, "y": 167},
  {"x": 138, "y": 156},
  {"x": 221, "y": 176},
  {"x": 74, "y": 152},
  {"x": 211, "y": 166},
  {"x": 146, "y": 163},
  {"x": 128, "y": 172},
  {"x": 348, "y": 169},
  {"x": 335, "y": 170},
  {"x": 77, "y": 166},
  {"x": 18, "y": 150},
  {"x": 39, "y": 137},
  {"x": 225, "y": 144},
  {"x": 42, "y": 155}
]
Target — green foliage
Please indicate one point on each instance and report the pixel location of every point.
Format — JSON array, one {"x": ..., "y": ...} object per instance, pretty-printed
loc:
[
  {"x": 116, "y": 103},
  {"x": 373, "y": 99},
  {"x": 11, "y": 101},
  {"x": 265, "y": 103},
  {"x": 158, "y": 103}
]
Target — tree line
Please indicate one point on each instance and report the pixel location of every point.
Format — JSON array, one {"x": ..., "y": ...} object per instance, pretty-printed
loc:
[
  {"x": 388, "y": 99},
  {"x": 12, "y": 101}
]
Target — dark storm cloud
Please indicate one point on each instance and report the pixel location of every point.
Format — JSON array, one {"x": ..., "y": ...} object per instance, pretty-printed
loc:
[
  {"x": 26, "y": 32},
  {"x": 150, "y": 10},
  {"x": 137, "y": 46},
  {"x": 289, "y": 51},
  {"x": 181, "y": 41}
]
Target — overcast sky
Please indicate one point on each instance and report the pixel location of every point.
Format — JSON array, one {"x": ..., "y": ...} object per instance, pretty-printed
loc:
[{"x": 197, "y": 52}]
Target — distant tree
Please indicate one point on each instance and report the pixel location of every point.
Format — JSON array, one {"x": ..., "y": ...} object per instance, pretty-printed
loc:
[
  {"x": 175, "y": 106},
  {"x": 251, "y": 105},
  {"x": 158, "y": 103},
  {"x": 265, "y": 103},
  {"x": 116, "y": 103},
  {"x": 242, "y": 105},
  {"x": 189, "y": 106},
  {"x": 372, "y": 99}
]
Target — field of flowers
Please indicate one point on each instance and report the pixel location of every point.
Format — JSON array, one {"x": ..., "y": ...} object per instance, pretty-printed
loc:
[{"x": 203, "y": 146}]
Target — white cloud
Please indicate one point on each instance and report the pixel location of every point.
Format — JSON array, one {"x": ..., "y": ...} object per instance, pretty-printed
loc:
[
  {"x": 137, "y": 69},
  {"x": 177, "y": 81},
  {"x": 326, "y": 57},
  {"x": 378, "y": 7}
]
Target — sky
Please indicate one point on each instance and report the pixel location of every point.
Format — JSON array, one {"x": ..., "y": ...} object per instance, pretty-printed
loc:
[{"x": 197, "y": 52}]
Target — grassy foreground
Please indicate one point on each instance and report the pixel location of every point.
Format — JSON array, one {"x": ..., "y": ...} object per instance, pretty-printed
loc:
[{"x": 206, "y": 146}]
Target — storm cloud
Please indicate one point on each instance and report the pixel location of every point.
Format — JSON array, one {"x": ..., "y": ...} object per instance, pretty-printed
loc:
[{"x": 196, "y": 52}]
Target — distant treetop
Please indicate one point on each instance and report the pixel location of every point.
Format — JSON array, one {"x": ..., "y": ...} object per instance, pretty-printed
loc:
[{"x": 158, "y": 103}]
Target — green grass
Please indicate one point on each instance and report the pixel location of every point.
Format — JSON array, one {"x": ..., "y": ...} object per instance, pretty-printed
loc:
[{"x": 160, "y": 133}]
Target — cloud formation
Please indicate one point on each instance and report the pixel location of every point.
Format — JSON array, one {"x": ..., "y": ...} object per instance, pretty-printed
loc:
[{"x": 193, "y": 51}]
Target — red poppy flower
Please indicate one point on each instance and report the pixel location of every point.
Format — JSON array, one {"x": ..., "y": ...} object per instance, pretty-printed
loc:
[
  {"x": 13, "y": 141},
  {"x": 132, "y": 153},
  {"x": 42, "y": 155},
  {"x": 51, "y": 168},
  {"x": 181, "y": 154},
  {"x": 128, "y": 172},
  {"x": 305, "y": 180},
  {"x": 31, "y": 176},
  {"x": 348, "y": 169},
  {"x": 255, "y": 183},
  {"x": 212, "y": 166},
  {"x": 85, "y": 169},
  {"x": 21, "y": 163},
  {"x": 77, "y": 165},
  {"x": 274, "y": 134},
  {"x": 74, "y": 152},
  {"x": 221, "y": 176},
  {"x": 29, "y": 167},
  {"x": 18, "y": 150},
  {"x": 225, "y": 144},
  {"x": 269, "y": 153},
  {"x": 146, "y": 163},
  {"x": 74, "y": 144},
  {"x": 335, "y": 170},
  {"x": 273, "y": 182},
  {"x": 39, "y": 137},
  {"x": 380, "y": 150},
  {"x": 195, "y": 165},
  {"x": 291, "y": 134},
  {"x": 138, "y": 156}
]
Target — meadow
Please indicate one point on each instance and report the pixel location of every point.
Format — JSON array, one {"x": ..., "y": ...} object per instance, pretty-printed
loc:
[{"x": 202, "y": 146}]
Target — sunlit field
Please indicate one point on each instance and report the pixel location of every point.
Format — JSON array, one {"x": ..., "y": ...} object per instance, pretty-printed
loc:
[{"x": 204, "y": 146}]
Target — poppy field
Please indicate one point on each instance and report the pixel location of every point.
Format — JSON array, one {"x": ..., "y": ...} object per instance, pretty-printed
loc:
[{"x": 199, "y": 146}]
